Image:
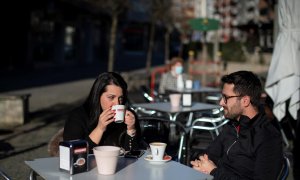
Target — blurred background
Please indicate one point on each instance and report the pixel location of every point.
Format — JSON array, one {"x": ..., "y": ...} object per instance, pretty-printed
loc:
[
  {"x": 52, "y": 50},
  {"x": 132, "y": 34}
]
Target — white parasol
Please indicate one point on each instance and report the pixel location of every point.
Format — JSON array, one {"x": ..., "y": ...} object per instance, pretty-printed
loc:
[{"x": 283, "y": 80}]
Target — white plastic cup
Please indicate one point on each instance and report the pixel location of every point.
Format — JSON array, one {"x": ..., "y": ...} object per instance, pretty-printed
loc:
[
  {"x": 158, "y": 150},
  {"x": 175, "y": 99},
  {"x": 188, "y": 84},
  {"x": 106, "y": 159},
  {"x": 120, "y": 113}
]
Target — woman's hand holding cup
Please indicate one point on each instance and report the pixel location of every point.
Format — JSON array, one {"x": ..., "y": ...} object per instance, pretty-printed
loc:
[{"x": 106, "y": 117}]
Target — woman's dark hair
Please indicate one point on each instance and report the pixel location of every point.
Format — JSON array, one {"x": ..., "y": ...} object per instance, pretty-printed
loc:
[
  {"x": 92, "y": 103},
  {"x": 246, "y": 83}
]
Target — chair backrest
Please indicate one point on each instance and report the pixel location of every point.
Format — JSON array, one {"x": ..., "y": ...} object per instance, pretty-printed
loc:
[
  {"x": 53, "y": 145},
  {"x": 213, "y": 98},
  {"x": 212, "y": 122},
  {"x": 154, "y": 97},
  {"x": 143, "y": 112},
  {"x": 203, "y": 130},
  {"x": 157, "y": 129},
  {"x": 209, "y": 124},
  {"x": 146, "y": 92},
  {"x": 285, "y": 170}
]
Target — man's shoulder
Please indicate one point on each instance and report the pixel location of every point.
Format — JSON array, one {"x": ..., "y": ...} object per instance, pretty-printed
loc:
[{"x": 266, "y": 127}]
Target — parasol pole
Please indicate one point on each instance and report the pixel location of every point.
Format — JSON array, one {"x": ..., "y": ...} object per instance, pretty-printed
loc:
[
  {"x": 204, "y": 47},
  {"x": 204, "y": 57}
]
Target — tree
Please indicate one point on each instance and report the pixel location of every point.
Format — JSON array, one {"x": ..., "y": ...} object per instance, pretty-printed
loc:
[
  {"x": 114, "y": 8},
  {"x": 182, "y": 11},
  {"x": 168, "y": 20},
  {"x": 158, "y": 10}
]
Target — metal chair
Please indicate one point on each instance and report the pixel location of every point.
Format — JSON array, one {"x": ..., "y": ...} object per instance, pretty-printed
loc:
[
  {"x": 209, "y": 124},
  {"x": 53, "y": 145},
  {"x": 146, "y": 93},
  {"x": 198, "y": 138},
  {"x": 213, "y": 98},
  {"x": 284, "y": 173},
  {"x": 4, "y": 175},
  {"x": 154, "y": 97},
  {"x": 171, "y": 132},
  {"x": 143, "y": 112}
]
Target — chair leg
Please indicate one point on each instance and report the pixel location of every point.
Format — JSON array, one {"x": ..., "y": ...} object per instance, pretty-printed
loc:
[
  {"x": 172, "y": 134},
  {"x": 285, "y": 140},
  {"x": 4, "y": 175},
  {"x": 189, "y": 122},
  {"x": 32, "y": 175},
  {"x": 183, "y": 149},
  {"x": 180, "y": 148}
]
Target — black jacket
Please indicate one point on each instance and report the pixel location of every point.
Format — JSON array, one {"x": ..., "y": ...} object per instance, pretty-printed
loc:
[
  {"x": 252, "y": 152},
  {"x": 76, "y": 127}
]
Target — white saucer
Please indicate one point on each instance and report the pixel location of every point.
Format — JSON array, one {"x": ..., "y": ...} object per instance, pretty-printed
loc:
[{"x": 165, "y": 159}]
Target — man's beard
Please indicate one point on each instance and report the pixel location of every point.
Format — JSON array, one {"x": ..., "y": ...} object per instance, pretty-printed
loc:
[{"x": 230, "y": 115}]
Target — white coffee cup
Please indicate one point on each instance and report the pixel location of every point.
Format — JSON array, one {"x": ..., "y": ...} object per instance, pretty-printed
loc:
[
  {"x": 175, "y": 99},
  {"x": 120, "y": 113},
  {"x": 106, "y": 159},
  {"x": 158, "y": 150}
]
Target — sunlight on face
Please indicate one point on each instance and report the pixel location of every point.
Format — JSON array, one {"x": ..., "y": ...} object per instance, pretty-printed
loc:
[
  {"x": 111, "y": 96},
  {"x": 232, "y": 109}
]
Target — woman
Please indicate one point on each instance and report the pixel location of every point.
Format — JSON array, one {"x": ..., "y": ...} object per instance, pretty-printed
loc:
[
  {"x": 94, "y": 120},
  {"x": 174, "y": 78}
]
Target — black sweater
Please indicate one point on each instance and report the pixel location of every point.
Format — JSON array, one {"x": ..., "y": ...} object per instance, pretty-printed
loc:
[{"x": 76, "y": 127}]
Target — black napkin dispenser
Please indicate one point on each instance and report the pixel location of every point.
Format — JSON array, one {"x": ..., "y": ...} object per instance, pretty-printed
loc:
[{"x": 73, "y": 156}]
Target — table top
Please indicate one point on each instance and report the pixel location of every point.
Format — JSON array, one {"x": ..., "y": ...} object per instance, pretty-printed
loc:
[
  {"x": 199, "y": 90},
  {"x": 127, "y": 169},
  {"x": 166, "y": 107}
]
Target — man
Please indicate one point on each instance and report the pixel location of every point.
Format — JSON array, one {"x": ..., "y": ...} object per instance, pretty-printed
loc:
[{"x": 249, "y": 146}]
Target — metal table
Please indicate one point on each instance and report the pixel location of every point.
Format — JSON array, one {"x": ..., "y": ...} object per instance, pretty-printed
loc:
[{"x": 127, "y": 169}]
